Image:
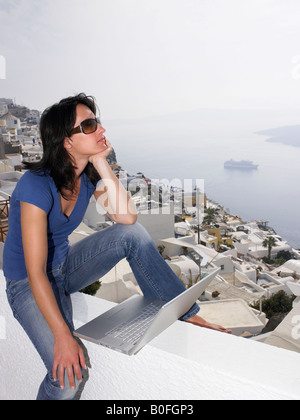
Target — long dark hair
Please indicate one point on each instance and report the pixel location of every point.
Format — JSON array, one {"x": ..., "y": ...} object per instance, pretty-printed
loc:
[{"x": 56, "y": 124}]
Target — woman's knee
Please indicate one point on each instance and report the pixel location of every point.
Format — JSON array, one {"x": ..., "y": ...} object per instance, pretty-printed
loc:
[
  {"x": 136, "y": 230},
  {"x": 136, "y": 235},
  {"x": 51, "y": 390}
]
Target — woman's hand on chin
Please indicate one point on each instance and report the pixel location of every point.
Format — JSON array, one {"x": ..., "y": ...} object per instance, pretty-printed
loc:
[{"x": 103, "y": 155}]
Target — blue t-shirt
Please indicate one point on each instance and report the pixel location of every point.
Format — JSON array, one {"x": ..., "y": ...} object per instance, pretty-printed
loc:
[{"x": 40, "y": 190}]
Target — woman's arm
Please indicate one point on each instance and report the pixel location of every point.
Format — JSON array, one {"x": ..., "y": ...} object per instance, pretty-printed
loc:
[
  {"x": 67, "y": 352},
  {"x": 111, "y": 194}
]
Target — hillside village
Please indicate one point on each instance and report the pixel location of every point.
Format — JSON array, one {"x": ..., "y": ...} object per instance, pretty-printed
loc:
[{"x": 193, "y": 234}]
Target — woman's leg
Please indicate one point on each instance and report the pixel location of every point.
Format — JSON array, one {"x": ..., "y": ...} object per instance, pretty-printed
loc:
[
  {"x": 91, "y": 258},
  {"x": 29, "y": 316}
]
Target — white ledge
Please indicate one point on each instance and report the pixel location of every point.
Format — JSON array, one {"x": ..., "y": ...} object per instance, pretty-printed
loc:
[{"x": 183, "y": 363}]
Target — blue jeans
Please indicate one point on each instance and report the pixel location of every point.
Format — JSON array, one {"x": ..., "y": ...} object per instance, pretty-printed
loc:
[{"x": 87, "y": 261}]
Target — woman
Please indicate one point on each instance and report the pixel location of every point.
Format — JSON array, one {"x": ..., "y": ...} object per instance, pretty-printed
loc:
[{"x": 40, "y": 267}]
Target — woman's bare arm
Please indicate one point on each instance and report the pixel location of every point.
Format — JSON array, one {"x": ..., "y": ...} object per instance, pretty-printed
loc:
[
  {"x": 67, "y": 352},
  {"x": 111, "y": 194}
]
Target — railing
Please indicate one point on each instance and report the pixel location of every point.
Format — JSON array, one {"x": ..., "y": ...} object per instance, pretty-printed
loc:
[
  {"x": 4, "y": 208},
  {"x": 3, "y": 233},
  {"x": 4, "y": 212}
]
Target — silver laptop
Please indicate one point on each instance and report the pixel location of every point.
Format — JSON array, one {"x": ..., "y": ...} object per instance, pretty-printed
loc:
[{"x": 130, "y": 325}]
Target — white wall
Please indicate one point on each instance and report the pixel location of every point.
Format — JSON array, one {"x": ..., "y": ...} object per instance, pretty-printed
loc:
[
  {"x": 92, "y": 216},
  {"x": 157, "y": 223},
  {"x": 183, "y": 363},
  {"x": 13, "y": 122}
]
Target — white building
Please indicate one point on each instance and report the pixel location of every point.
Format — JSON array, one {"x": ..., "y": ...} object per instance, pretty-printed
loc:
[
  {"x": 233, "y": 314},
  {"x": 289, "y": 268},
  {"x": 8, "y": 181},
  {"x": 12, "y": 122},
  {"x": 159, "y": 222},
  {"x": 3, "y": 108},
  {"x": 250, "y": 241},
  {"x": 185, "y": 268}
]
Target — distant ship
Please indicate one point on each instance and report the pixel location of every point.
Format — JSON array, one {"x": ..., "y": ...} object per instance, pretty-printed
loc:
[{"x": 242, "y": 164}]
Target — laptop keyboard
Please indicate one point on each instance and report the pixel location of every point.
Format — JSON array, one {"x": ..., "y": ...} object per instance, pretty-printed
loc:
[{"x": 131, "y": 331}]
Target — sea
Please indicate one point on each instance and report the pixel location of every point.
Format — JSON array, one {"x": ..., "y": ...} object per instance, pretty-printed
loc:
[{"x": 194, "y": 145}]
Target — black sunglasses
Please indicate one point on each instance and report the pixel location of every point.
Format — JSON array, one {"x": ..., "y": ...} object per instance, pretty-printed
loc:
[{"x": 88, "y": 126}]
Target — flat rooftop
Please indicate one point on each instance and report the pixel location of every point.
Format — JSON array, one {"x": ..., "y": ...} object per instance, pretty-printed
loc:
[{"x": 234, "y": 314}]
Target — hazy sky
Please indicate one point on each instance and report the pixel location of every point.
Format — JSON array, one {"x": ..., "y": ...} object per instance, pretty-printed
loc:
[{"x": 152, "y": 57}]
